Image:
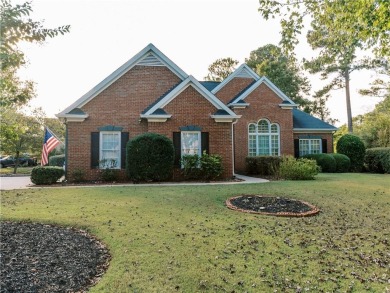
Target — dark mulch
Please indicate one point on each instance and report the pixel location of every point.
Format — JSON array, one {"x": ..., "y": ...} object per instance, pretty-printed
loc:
[
  {"x": 271, "y": 205},
  {"x": 45, "y": 258}
]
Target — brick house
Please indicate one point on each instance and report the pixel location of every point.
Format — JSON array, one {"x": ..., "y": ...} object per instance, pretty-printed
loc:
[{"x": 244, "y": 115}]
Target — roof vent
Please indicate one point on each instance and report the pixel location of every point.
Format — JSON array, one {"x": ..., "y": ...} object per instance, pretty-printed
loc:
[{"x": 150, "y": 60}]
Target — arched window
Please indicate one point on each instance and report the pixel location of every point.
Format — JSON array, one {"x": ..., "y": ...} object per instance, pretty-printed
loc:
[{"x": 264, "y": 138}]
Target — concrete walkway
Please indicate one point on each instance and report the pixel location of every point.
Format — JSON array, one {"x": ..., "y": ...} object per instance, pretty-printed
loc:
[{"x": 23, "y": 182}]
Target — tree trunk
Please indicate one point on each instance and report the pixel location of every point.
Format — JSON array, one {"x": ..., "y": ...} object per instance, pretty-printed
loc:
[
  {"x": 348, "y": 100},
  {"x": 16, "y": 161}
]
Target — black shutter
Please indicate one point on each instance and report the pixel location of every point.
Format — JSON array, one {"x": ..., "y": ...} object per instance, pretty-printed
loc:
[
  {"x": 94, "y": 150},
  {"x": 296, "y": 148},
  {"x": 205, "y": 142},
  {"x": 324, "y": 146},
  {"x": 177, "y": 147},
  {"x": 124, "y": 140}
]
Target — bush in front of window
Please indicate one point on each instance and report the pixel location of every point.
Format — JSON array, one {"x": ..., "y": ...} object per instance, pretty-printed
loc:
[
  {"x": 46, "y": 175},
  {"x": 298, "y": 169},
  {"x": 58, "y": 160},
  {"x": 353, "y": 147},
  {"x": 205, "y": 167},
  {"x": 377, "y": 160},
  {"x": 149, "y": 157},
  {"x": 263, "y": 165},
  {"x": 343, "y": 163},
  {"x": 78, "y": 175},
  {"x": 210, "y": 166},
  {"x": 326, "y": 162}
]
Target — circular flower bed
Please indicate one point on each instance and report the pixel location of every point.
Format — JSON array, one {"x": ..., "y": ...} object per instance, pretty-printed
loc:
[
  {"x": 45, "y": 258},
  {"x": 270, "y": 205}
]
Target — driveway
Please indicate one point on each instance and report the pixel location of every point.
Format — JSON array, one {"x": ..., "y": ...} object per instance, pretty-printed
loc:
[{"x": 14, "y": 182}]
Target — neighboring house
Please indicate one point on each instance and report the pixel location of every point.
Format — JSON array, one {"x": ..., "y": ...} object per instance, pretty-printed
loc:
[{"x": 244, "y": 115}]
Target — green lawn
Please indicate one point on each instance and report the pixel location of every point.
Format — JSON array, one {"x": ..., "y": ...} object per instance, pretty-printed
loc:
[
  {"x": 167, "y": 239},
  {"x": 20, "y": 170}
]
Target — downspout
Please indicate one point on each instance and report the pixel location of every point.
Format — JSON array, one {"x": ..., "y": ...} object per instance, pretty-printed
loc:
[
  {"x": 233, "y": 149},
  {"x": 66, "y": 150}
]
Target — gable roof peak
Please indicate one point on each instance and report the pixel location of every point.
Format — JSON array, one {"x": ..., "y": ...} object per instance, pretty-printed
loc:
[
  {"x": 243, "y": 71},
  {"x": 148, "y": 56}
]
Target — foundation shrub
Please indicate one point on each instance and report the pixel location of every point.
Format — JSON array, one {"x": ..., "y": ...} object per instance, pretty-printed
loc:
[
  {"x": 205, "y": 167},
  {"x": 46, "y": 175},
  {"x": 377, "y": 160},
  {"x": 58, "y": 160},
  {"x": 343, "y": 163},
  {"x": 298, "y": 169},
  {"x": 326, "y": 162},
  {"x": 263, "y": 165}
]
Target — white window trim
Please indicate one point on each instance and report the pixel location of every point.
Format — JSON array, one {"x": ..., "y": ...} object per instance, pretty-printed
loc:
[
  {"x": 268, "y": 134},
  {"x": 200, "y": 142},
  {"x": 310, "y": 140},
  {"x": 101, "y": 133}
]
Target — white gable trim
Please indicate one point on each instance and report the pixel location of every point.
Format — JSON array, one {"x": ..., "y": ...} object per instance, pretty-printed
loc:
[
  {"x": 273, "y": 87},
  {"x": 105, "y": 83},
  {"x": 191, "y": 81},
  {"x": 242, "y": 71}
]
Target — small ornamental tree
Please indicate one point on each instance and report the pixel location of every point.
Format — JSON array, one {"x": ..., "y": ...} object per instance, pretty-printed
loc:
[
  {"x": 149, "y": 157},
  {"x": 353, "y": 147}
]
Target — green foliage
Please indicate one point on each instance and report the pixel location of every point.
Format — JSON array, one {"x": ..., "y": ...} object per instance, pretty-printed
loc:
[
  {"x": 269, "y": 61},
  {"x": 78, "y": 175},
  {"x": 221, "y": 68},
  {"x": 109, "y": 175},
  {"x": 377, "y": 160},
  {"x": 150, "y": 157},
  {"x": 46, "y": 175},
  {"x": 298, "y": 169},
  {"x": 263, "y": 165},
  {"x": 326, "y": 162},
  {"x": 17, "y": 27},
  {"x": 353, "y": 147},
  {"x": 343, "y": 163},
  {"x": 206, "y": 167},
  {"x": 58, "y": 160}
]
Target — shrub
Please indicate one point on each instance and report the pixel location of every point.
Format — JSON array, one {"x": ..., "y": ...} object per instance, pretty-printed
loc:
[
  {"x": 207, "y": 167},
  {"x": 326, "y": 162},
  {"x": 58, "y": 160},
  {"x": 298, "y": 169},
  {"x": 343, "y": 163},
  {"x": 210, "y": 166},
  {"x": 46, "y": 175},
  {"x": 78, "y": 175},
  {"x": 377, "y": 160},
  {"x": 352, "y": 146},
  {"x": 150, "y": 157},
  {"x": 109, "y": 175},
  {"x": 263, "y": 165}
]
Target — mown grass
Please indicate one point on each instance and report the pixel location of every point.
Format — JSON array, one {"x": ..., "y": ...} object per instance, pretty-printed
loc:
[
  {"x": 168, "y": 239},
  {"x": 20, "y": 170}
]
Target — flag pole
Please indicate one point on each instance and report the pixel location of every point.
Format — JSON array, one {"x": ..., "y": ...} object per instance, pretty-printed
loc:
[{"x": 53, "y": 134}]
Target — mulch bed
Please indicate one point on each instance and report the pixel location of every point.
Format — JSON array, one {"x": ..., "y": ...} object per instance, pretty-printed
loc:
[
  {"x": 270, "y": 205},
  {"x": 45, "y": 258}
]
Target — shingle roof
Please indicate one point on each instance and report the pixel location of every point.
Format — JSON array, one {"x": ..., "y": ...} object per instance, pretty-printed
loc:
[
  {"x": 242, "y": 91},
  {"x": 302, "y": 120},
  {"x": 209, "y": 85},
  {"x": 160, "y": 98}
]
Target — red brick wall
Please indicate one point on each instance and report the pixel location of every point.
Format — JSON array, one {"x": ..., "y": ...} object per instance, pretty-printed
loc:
[
  {"x": 121, "y": 105},
  {"x": 191, "y": 108},
  {"x": 231, "y": 89},
  {"x": 264, "y": 104}
]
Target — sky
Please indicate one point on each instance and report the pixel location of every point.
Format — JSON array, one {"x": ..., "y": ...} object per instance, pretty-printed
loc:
[{"x": 105, "y": 34}]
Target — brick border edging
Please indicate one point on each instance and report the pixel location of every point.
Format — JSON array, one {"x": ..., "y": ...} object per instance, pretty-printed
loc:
[{"x": 314, "y": 210}]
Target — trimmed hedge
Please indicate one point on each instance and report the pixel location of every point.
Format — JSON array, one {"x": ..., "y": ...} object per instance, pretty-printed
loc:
[
  {"x": 149, "y": 157},
  {"x": 343, "y": 163},
  {"x": 46, "y": 175},
  {"x": 58, "y": 160},
  {"x": 353, "y": 147},
  {"x": 298, "y": 169},
  {"x": 207, "y": 167},
  {"x": 263, "y": 165},
  {"x": 326, "y": 162},
  {"x": 377, "y": 160}
]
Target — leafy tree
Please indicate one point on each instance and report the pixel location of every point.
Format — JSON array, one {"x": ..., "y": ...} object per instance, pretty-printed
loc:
[
  {"x": 15, "y": 28},
  {"x": 270, "y": 61},
  {"x": 221, "y": 68},
  {"x": 338, "y": 29},
  {"x": 19, "y": 133},
  {"x": 366, "y": 20}
]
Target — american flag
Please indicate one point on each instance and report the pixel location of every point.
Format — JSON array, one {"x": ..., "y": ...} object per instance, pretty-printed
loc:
[{"x": 49, "y": 143}]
